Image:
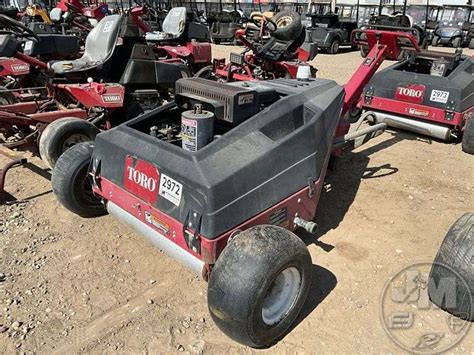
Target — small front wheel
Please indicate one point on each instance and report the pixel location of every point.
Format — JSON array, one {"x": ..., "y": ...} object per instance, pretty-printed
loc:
[
  {"x": 71, "y": 183},
  {"x": 259, "y": 284}
]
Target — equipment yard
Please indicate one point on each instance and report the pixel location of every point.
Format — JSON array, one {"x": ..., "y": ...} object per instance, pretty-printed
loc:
[{"x": 70, "y": 285}]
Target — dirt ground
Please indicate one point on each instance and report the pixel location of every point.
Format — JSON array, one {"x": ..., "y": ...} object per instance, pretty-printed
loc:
[{"x": 70, "y": 285}]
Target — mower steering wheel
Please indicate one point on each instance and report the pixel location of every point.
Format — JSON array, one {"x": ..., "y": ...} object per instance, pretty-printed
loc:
[
  {"x": 263, "y": 21},
  {"x": 16, "y": 28}
]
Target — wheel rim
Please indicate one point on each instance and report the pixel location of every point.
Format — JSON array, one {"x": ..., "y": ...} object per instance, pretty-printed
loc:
[
  {"x": 74, "y": 139},
  {"x": 281, "y": 296},
  {"x": 284, "y": 21},
  {"x": 336, "y": 47}
]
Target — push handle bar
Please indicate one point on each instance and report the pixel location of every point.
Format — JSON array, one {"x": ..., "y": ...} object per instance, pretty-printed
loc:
[
  {"x": 384, "y": 37},
  {"x": 382, "y": 45}
]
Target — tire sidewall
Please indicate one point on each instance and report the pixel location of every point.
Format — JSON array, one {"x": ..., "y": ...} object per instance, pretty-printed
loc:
[
  {"x": 244, "y": 271},
  {"x": 68, "y": 179},
  {"x": 52, "y": 139}
]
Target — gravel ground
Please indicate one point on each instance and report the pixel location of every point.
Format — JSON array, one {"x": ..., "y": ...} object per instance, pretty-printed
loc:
[{"x": 70, "y": 285}]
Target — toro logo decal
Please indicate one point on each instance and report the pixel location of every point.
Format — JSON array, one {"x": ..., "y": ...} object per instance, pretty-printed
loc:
[
  {"x": 17, "y": 68},
  {"x": 411, "y": 93},
  {"x": 142, "y": 179},
  {"x": 112, "y": 98}
]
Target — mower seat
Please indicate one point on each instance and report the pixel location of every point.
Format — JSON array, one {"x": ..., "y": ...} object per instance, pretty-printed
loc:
[
  {"x": 100, "y": 45},
  {"x": 173, "y": 26}
]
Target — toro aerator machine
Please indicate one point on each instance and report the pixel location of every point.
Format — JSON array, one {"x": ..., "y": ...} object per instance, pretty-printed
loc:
[
  {"x": 430, "y": 93},
  {"x": 221, "y": 177}
]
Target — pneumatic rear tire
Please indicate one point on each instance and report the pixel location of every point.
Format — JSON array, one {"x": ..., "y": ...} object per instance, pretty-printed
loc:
[
  {"x": 71, "y": 183},
  {"x": 259, "y": 284},
  {"x": 453, "y": 264},
  {"x": 468, "y": 137},
  {"x": 289, "y": 26}
]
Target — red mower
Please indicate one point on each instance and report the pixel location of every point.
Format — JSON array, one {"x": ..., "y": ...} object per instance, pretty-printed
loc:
[
  {"x": 429, "y": 93},
  {"x": 278, "y": 57},
  {"x": 70, "y": 112},
  {"x": 24, "y": 51},
  {"x": 220, "y": 178}
]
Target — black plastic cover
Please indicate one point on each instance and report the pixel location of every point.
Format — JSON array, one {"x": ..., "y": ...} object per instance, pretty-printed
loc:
[
  {"x": 459, "y": 84},
  {"x": 247, "y": 170}
]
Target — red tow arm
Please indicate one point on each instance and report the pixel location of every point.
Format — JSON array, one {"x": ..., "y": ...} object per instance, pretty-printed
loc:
[{"x": 382, "y": 45}]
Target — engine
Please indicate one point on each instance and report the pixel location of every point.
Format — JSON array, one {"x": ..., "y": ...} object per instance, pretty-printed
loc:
[{"x": 205, "y": 110}]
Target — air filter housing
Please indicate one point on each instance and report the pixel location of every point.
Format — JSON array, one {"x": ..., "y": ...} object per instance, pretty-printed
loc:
[{"x": 231, "y": 103}]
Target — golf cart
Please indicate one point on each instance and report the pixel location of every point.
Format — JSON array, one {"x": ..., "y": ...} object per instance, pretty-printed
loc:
[
  {"x": 426, "y": 17},
  {"x": 471, "y": 32},
  {"x": 454, "y": 26},
  {"x": 429, "y": 93},
  {"x": 224, "y": 23},
  {"x": 394, "y": 21},
  {"x": 240, "y": 167},
  {"x": 328, "y": 30}
]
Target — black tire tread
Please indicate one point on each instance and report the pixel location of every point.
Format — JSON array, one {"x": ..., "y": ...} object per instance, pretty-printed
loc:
[
  {"x": 457, "y": 253},
  {"x": 66, "y": 176},
  {"x": 468, "y": 137},
  {"x": 244, "y": 270},
  {"x": 290, "y": 32}
]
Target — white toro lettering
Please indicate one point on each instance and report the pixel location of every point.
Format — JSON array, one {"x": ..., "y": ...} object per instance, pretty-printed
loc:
[
  {"x": 410, "y": 92},
  {"x": 141, "y": 179}
]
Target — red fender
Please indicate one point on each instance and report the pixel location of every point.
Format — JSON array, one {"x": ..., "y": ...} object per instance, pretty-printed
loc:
[
  {"x": 96, "y": 95},
  {"x": 13, "y": 67}
]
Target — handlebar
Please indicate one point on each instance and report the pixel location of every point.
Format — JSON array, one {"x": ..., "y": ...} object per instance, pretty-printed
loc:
[{"x": 388, "y": 38}]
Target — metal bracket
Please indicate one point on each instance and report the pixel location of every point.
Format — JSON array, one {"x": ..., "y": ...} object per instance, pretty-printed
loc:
[
  {"x": 191, "y": 229},
  {"x": 449, "y": 112},
  {"x": 368, "y": 95},
  {"x": 94, "y": 172}
]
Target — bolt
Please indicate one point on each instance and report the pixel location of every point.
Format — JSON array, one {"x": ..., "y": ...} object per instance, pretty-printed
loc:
[
  {"x": 299, "y": 200},
  {"x": 195, "y": 214},
  {"x": 190, "y": 224}
]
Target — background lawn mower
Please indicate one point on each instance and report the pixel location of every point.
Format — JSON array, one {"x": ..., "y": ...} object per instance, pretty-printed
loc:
[
  {"x": 430, "y": 93},
  {"x": 221, "y": 177},
  {"x": 279, "y": 57},
  {"x": 184, "y": 37},
  {"x": 72, "y": 111},
  {"x": 24, "y": 50}
]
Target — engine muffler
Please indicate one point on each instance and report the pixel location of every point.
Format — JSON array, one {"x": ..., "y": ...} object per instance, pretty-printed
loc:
[
  {"x": 171, "y": 249},
  {"x": 411, "y": 124}
]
